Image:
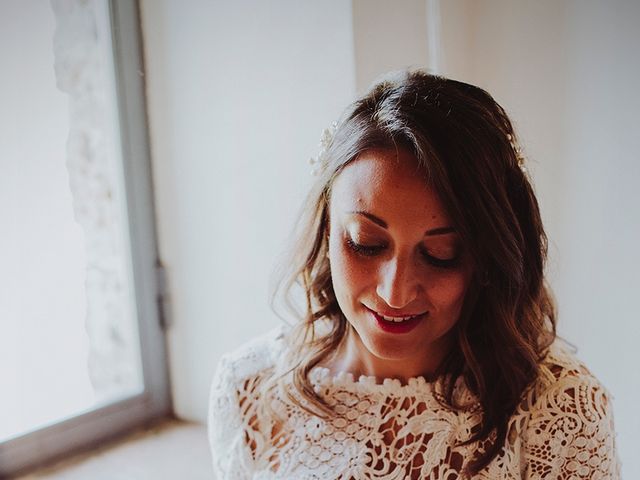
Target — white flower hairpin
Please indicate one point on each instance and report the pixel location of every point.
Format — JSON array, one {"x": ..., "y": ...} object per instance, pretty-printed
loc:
[
  {"x": 518, "y": 151},
  {"x": 319, "y": 162}
]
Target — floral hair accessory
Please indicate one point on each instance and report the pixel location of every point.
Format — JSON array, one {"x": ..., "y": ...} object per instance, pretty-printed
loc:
[
  {"x": 319, "y": 162},
  {"x": 518, "y": 151}
]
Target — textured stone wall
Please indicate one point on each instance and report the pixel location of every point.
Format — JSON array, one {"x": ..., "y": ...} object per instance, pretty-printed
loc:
[{"x": 84, "y": 71}]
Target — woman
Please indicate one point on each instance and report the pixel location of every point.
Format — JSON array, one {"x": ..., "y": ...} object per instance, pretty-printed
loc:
[{"x": 427, "y": 348}]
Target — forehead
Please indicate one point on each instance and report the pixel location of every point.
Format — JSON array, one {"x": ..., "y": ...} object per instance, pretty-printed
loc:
[{"x": 391, "y": 185}]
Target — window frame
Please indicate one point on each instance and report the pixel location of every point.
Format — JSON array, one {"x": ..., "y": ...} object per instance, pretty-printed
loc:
[{"x": 110, "y": 420}]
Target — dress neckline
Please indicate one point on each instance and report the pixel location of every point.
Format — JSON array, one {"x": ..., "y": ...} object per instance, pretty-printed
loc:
[{"x": 323, "y": 376}]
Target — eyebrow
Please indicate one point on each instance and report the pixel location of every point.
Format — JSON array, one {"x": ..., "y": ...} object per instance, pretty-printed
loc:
[{"x": 383, "y": 224}]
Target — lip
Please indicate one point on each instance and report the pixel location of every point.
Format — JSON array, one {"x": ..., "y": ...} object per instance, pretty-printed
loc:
[{"x": 400, "y": 327}]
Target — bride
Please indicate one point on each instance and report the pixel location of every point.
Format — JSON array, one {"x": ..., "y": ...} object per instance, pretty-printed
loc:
[{"x": 427, "y": 345}]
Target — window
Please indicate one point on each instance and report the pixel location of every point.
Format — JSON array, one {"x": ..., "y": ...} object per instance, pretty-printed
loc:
[{"x": 82, "y": 354}]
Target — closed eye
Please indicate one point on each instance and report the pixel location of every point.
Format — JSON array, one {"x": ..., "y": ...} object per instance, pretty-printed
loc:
[
  {"x": 366, "y": 250},
  {"x": 440, "y": 262},
  {"x": 373, "y": 250}
]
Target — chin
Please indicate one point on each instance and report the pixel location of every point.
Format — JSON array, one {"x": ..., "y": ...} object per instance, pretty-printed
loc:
[
  {"x": 422, "y": 343},
  {"x": 390, "y": 347}
]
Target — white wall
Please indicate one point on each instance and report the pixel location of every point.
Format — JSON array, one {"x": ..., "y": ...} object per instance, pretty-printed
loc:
[
  {"x": 387, "y": 36},
  {"x": 239, "y": 93},
  {"x": 568, "y": 73}
]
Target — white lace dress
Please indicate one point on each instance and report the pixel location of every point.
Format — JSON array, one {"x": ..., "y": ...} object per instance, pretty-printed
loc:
[{"x": 563, "y": 428}]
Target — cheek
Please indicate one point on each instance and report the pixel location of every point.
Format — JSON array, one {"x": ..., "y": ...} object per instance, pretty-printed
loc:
[
  {"x": 349, "y": 276},
  {"x": 447, "y": 291}
]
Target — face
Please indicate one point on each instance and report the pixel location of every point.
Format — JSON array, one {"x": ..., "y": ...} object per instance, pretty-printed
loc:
[{"x": 399, "y": 269}]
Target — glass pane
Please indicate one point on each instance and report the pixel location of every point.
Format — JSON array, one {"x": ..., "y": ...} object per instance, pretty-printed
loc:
[{"x": 68, "y": 328}]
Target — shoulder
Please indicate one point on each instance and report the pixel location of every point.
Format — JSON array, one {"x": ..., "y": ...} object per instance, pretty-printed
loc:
[
  {"x": 564, "y": 381},
  {"x": 232, "y": 396},
  {"x": 252, "y": 358},
  {"x": 560, "y": 367},
  {"x": 239, "y": 371},
  {"x": 569, "y": 420}
]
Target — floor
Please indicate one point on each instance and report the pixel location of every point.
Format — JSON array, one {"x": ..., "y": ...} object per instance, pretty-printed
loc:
[{"x": 170, "y": 451}]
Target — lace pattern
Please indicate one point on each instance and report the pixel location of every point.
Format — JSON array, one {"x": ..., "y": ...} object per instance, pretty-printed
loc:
[{"x": 563, "y": 427}]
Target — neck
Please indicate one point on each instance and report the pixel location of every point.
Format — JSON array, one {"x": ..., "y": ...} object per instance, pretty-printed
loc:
[{"x": 354, "y": 357}]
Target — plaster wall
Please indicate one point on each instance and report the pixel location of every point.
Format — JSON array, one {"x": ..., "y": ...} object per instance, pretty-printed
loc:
[{"x": 238, "y": 93}]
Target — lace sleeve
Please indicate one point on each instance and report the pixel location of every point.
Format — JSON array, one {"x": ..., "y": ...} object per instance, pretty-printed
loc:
[
  {"x": 570, "y": 433},
  {"x": 225, "y": 426}
]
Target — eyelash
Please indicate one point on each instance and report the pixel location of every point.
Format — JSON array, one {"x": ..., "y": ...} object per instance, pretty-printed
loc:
[
  {"x": 371, "y": 251},
  {"x": 367, "y": 251}
]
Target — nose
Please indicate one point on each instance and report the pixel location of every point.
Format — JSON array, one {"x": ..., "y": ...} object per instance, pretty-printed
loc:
[{"x": 397, "y": 283}]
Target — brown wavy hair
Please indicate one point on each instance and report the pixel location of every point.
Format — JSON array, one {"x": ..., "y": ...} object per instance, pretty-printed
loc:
[{"x": 464, "y": 141}]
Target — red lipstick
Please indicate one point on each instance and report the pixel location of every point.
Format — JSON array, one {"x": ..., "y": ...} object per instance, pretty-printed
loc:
[{"x": 396, "y": 327}]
